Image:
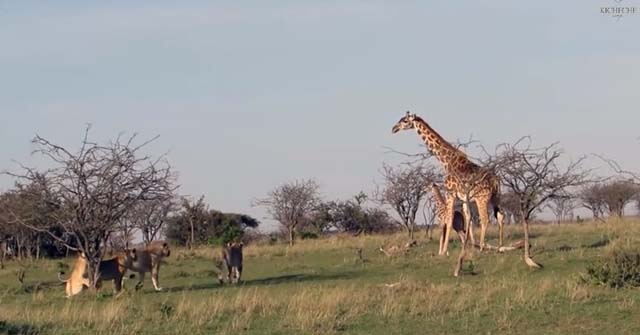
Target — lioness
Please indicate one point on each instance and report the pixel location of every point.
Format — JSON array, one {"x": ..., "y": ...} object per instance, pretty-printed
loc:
[
  {"x": 232, "y": 257},
  {"x": 115, "y": 268},
  {"x": 110, "y": 269},
  {"x": 148, "y": 260},
  {"x": 76, "y": 281}
]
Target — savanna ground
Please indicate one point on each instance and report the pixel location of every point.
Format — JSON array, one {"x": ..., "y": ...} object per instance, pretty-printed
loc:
[{"x": 321, "y": 287}]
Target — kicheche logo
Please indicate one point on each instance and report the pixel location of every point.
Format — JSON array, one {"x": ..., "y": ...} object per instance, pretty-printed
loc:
[{"x": 618, "y": 10}]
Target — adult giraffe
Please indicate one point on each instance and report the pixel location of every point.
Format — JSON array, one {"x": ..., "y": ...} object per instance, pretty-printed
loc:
[{"x": 462, "y": 175}]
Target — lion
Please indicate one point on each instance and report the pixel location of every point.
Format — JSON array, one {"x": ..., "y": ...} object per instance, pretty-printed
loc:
[
  {"x": 110, "y": 269},
  {"x": 76, "y": 281},
  {"x": 116, "y": 268},
  {"x": 148, "y": 260},
  {"x": 232, "y": 257}
]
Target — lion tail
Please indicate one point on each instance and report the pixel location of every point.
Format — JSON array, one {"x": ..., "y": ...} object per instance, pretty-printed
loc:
[{"x": 60, "y": 277}]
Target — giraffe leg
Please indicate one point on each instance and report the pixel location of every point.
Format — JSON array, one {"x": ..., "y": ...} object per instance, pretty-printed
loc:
[
  {"x": 467, "y": 221},
  {"x": 449, "y": 223},
  {"x": 443, "y": 232},
  {"x": 500, "y": 218},
  {"x": 483, "y": 211}
]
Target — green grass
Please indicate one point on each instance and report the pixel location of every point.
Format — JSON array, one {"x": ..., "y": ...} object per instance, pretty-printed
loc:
[{"x": 320, "y": 287}]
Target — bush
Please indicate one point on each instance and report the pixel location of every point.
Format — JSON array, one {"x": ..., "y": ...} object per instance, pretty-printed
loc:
[
  {"x": 620, "y": 269},
  {"x": 305, "y": 235}
]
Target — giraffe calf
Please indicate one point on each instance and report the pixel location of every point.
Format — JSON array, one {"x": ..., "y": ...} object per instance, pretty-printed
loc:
[{"x": 441, "y": 213}]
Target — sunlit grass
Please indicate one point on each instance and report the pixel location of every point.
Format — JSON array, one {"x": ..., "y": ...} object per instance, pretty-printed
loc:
[{"x": 323, "y": 287}]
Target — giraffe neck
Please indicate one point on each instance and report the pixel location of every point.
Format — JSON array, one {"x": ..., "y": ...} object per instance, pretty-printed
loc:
[{"x": 451, "y": 158}]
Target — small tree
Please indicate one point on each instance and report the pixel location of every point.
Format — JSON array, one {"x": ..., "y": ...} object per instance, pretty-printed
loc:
[
  {"x": 196, "y": 224},
  {"x": 616, "y": 194},
  {"x": 291, "y": 204},
  {"x": 562, "y": 206},
  {"x": 320, "y": 219},
  {"x": 95, "y": 188},
  {"x": 404, "y": 190},
  {"x": 149, "y": 216},
  {"x": 351, "y": 216},
  {"x": 534, "y": 177},
  {"x": 29, "y": 202},
  {"x": 632, "y": 182},
  {"x": 590, "y": 197}
]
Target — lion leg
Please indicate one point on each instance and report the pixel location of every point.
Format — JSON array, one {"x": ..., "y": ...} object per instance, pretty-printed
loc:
[
  {"x": 74, "y": 288},
  {"x": 220, "y": 275},
  {"x": 68, "y": 290},
  {"x": 117, "y": 283},
  {"x": 220, "y": 269},
  {"x": 154, "y": 278},
  {"x": 140, "y": 281},
  {"x": 239, "y": 273}
]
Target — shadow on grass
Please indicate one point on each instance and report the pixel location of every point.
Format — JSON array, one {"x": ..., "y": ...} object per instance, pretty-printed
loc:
[
  {"x": 598, "y": 244},
  {"x": 595, "y": 245},
  {"x": 18, "y": 328},
  {"x": 565, "y": 248},
  {"x": 298, "y": 278},
  {"x": 275, "y": 280},
  {"x": 195, "y": 287}
]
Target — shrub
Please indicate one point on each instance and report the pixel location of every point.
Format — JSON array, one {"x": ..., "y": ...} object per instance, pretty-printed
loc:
[
  {"x": 619, "y": 269},
  {"x": 305, "y": 235}
]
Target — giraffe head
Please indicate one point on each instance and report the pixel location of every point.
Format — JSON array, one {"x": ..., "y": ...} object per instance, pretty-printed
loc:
[{"x": 405, "y": 123}]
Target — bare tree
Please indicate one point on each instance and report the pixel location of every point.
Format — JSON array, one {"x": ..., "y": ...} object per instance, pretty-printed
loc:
[
  {"x": 404, "y": 190},
  {"x": 429, "y": 215},
  {"x": 96, "y": 187},
  {"x": 196, "y": 213},
  {"x": 534, "y": 176},
  {"x": 150, "y": 216},
  {"x": 510, "y": 205},
  {"x": 291, "y": 204},
  {"x": 123, "y": 234}
]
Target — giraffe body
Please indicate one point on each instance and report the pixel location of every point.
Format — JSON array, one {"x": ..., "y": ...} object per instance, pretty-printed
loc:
[{"x": 464, "y": 179}]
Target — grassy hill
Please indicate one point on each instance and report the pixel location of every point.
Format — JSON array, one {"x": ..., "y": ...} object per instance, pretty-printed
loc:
[{"x": 321, "y": 287}]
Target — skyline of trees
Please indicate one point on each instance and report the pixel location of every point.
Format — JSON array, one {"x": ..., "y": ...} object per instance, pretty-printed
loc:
[{"x": 101, "y": 193}]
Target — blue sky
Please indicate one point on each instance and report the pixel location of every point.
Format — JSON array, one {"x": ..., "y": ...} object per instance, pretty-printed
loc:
[{"x": 248, "y": 95}]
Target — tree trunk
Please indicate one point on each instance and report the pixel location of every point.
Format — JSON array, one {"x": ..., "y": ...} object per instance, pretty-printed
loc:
[
  {"x": 527, "y": 254},
  {"x": 410, "y": 229},
  {"x": 94, "y": 273},
  {"x": 290, "y": 228},
  {"x": 38, "y": 247},
  {"x": 18, "y": 249},
  {"x": 193, "y": 236}
]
